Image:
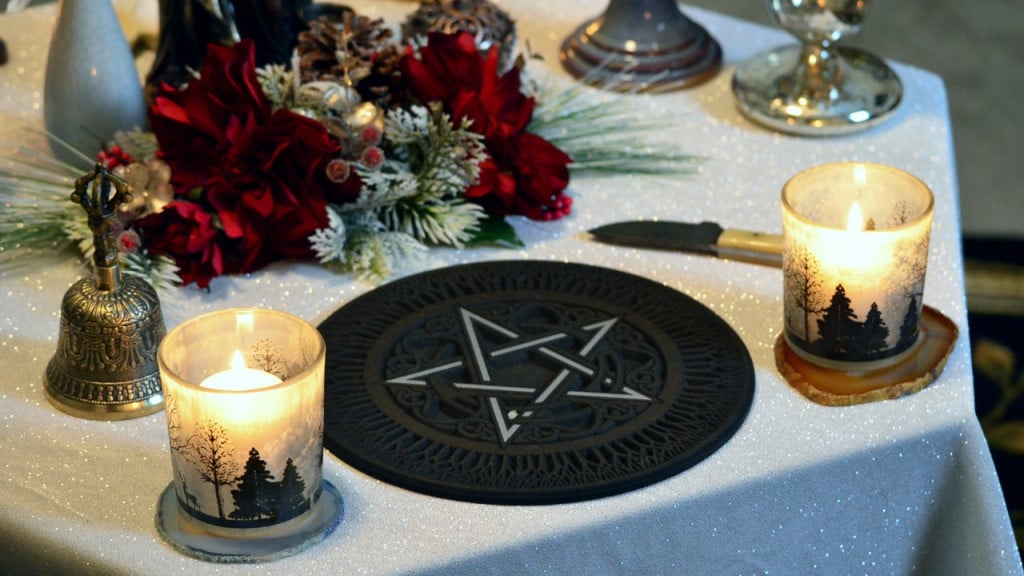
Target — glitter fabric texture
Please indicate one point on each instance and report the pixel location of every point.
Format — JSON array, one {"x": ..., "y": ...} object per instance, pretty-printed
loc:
[{"x": 896, "y": 487}]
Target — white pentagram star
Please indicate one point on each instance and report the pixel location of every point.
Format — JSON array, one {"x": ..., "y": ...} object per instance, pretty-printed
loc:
[{"x": 508, "y": 424}]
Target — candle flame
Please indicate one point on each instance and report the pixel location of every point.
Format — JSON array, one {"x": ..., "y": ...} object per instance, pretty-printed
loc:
[
  {"x": 855, "y": 221},
  {"x": 238, "y": 361}
]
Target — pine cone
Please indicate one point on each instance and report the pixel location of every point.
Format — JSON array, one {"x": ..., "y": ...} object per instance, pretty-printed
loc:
[
  {"x": 490, "y": 26},
  {"x": 357, "y": 51}
]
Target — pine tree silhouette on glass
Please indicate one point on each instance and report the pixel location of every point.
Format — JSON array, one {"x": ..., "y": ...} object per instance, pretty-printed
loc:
[
  {"x": 838, "y": 327},
  {"x": 292, "y": 501},
  {"x": 256, "y": 492},
  {"x": 909, "y": 328},
  {"x": 873, "y": 334}
]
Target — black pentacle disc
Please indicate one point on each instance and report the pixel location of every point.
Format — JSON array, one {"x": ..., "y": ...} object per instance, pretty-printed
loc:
[{"x": 530, "y": 382}]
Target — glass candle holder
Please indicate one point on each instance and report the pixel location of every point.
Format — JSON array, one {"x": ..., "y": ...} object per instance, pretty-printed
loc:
[
  {"x": 244, "y": 393},
  {"x": 855, "y": 252}
]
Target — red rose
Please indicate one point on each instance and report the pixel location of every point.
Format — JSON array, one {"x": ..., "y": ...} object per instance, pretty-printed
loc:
[
  {"x": 262, "y": 172},
  {"x": 446, "y": 64},
  {"x": 527, "y": 179},
  {"x": 185, "y": 232},
  {"x": 527, "y": 174}
]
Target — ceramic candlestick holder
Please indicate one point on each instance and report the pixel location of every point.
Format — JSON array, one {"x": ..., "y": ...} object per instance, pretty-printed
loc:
[{"x": 641, "y": 46}]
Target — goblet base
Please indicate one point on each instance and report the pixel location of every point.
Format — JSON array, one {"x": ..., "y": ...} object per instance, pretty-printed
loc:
[
  {"x": 768, "y": 92},
  {"x": 669, "y": 53}
]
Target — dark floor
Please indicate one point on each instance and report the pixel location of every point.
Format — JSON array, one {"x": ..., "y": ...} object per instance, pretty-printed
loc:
[{"x": 995, "y": 302}]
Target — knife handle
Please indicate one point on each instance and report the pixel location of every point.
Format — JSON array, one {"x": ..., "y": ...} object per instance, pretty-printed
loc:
[
  {"x": 748, "y": 241},
  {"x": 748, "y": 246}
]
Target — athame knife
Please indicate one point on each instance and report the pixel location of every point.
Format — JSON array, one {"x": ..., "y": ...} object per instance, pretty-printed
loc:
[{"x": 704, "y": 238}]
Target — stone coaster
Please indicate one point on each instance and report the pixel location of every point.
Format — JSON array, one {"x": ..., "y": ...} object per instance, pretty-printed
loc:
[
  {"x": 840, "y": 388},
  {"x": 527, "y": 382},
  {"x": 248, "y": 546}
]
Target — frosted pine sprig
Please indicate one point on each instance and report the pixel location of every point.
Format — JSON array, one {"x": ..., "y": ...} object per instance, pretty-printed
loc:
[
  {"x": 412, "y": 199},
  {"x": 375, "y": 255},
  {"x": 446, "y": 223},
  {"x": 602, "y": 132},
  {"x": 329, "y": 243},
  {"x": 278, "y": 84}
]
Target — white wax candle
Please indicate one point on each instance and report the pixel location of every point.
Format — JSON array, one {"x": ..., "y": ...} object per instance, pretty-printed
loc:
[{"x": 240, "y": 377}]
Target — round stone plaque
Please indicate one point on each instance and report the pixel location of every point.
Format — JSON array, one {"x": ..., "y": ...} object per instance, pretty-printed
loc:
[{"x": 526, "y": 382}]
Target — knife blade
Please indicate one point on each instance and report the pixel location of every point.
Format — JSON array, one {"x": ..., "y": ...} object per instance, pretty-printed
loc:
[{"x": 702, "y": 238}]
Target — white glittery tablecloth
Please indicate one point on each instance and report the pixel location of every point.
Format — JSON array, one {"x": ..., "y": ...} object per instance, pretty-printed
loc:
[{"x": 897, "y": 487}]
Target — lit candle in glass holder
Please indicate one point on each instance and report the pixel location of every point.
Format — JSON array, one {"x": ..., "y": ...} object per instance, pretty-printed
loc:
[
  {"x": 855, "y": 251},
  {"x": 244, "y": 403}
]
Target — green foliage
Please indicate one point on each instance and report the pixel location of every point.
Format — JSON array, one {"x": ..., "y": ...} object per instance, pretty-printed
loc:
[
  {"x": 413, "y": 199},
  {"x": 495, "y": 231},
  {"x": 159, "y": 270},
  {"x": 278, "y": 85},
  {"x": 603, "y": 133},
  {"x": 38, "y": 215},
  {"x": 374, "y": 255},
  {"x": 136, "y": 143}
]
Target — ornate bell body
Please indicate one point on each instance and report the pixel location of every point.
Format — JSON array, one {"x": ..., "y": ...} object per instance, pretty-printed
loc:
[{"x": 105, "y": 366}]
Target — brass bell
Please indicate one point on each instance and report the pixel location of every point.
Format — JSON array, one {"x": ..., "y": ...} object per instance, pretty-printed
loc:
[{"x": 110, "y": 326}]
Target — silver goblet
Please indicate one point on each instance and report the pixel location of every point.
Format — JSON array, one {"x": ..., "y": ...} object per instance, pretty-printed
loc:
[{"x": 817, "y": 87}]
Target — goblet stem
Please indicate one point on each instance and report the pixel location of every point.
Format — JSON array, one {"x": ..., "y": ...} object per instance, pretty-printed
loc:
[
  {"x": 817, "y": 88},
  {"x": 818, "y": 75}
]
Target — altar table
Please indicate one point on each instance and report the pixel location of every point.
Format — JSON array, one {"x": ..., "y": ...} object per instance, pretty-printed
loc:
[{"x": 903, "y": 486}]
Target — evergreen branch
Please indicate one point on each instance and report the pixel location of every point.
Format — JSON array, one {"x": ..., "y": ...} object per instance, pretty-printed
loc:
[
  {"x": 278, "y": 85},
  {"x": 41, "y": 167},
  {"x": 329, "y": 243},
  {"x": 159, "y": 270},
  {"x": 443, "y": 223},
  {"x": 33, "y": 223},
  {"x": 32, "y": 187},
  {"x": 602, "y": 135},
  {"x": 375, "y": 255},
  {"x": 383, "y": 187},
  {"x": 136, "y": 143},
  {"x": 88, "y": 162}
]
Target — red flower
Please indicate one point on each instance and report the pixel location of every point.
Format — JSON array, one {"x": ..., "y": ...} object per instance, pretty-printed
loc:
[
  {"x": 527, "y": 174},
  {"x": 128, "y": 242},
  {"x": 261, "y": 172},
  {"x": 186, "y": 233}
]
